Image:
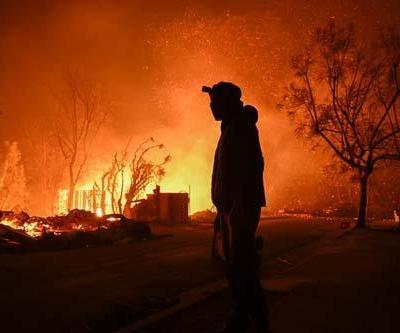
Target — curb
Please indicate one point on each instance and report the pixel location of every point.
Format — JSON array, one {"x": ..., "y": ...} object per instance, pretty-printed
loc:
[
  {"x": 199, "y": 294},
  {"x": 187, "y": 299}
]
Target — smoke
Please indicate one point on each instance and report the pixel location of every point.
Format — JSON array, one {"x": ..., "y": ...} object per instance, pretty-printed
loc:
[
  {"x": 153, "y": 58},
  {"x": 248, "y": 50}
]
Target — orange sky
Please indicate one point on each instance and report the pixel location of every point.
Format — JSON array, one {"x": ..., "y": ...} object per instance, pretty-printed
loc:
[{"x": 153, "y": 58}]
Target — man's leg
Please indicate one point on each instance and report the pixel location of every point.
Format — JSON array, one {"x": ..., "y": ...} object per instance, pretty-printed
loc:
[
  {"x": 217, "y": 230},
  {"x": 239, "y": 321},
  {"x": 245, "y": 267}
]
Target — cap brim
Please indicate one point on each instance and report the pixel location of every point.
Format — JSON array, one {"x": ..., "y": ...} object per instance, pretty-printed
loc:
[{"x": 206, "y": 89}]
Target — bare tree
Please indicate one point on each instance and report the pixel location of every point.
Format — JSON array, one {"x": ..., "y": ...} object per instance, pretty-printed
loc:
[
  {"x": 101, "y": 191},
  {"x": 143, "y": 172},
  {"x": 115, "y": 185},
  {"x": 82, "y": 108},
  {"x": 137, "y": 172},
  {"x": 346, "y": 94}
]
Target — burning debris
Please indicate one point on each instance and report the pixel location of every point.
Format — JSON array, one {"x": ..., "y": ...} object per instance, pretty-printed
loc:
[
  {"x": 83, "y": 228},
  {"x": 79, "y": 228},
  {"x": 32, "y": 226}
]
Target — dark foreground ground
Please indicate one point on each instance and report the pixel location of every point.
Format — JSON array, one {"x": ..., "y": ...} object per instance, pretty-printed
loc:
[
  {"x": 346, "y": 284},
  {"x": 103, "y": 289}
]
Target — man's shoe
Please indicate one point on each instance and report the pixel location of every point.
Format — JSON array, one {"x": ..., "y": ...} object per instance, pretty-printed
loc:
[
  {"x": 236, "y": 324},
  {"x": 261, "y": 324}
]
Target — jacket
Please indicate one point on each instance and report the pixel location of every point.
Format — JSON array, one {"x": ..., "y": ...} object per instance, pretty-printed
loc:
[{"x": 237, "y": 177}]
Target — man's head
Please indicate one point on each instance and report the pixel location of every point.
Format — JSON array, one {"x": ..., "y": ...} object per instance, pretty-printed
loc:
[{"x": 225, "y": 99}]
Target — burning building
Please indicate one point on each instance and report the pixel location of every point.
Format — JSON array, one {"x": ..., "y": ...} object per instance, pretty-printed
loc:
[
  {"x": 161, "y": 207},
  {"x": 167, "y": 208}
]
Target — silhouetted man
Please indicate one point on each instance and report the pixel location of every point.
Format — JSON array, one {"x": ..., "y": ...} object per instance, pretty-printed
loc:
[{"x": 238, "y": 194}]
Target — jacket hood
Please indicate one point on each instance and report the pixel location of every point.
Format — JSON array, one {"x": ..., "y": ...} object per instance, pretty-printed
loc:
[
  {"x": 251, "y": 113},
  {"x": 248, "y": 116}
]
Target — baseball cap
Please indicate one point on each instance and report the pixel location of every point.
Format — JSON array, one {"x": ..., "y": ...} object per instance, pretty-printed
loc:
[{"x": 222, "y": 88}]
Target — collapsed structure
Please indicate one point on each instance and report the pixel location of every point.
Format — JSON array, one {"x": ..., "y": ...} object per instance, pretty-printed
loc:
[
  {"x": 79, "y": 228},
  {"x": 82, "y": 227},
  {"x": 160, "y": 207}
]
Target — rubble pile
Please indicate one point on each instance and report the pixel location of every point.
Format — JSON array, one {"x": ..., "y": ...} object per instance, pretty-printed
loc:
[
  {"x": 79, "y": 228},
  {"x": 203, "y": 217}
]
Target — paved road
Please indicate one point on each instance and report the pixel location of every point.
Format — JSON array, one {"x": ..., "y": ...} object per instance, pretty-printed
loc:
[
  {"x": 73, "y": 290},
  {"x": 349, "y": 284}
]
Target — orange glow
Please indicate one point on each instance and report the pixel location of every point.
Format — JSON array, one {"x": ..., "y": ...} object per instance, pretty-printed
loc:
[
  {"x": 33, "y": 229},
  {"x": 152, "y": 66},
  {"x": 99, "y": 212}
]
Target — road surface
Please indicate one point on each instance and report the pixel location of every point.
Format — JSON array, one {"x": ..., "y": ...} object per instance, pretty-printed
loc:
[{"x": 92, "y": 289}]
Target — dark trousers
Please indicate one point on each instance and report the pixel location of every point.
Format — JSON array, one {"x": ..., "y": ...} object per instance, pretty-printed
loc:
[{"x": 243, "y": 262}]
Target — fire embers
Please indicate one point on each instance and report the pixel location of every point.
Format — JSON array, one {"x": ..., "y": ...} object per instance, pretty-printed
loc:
[
  {"x": 32, "y": 226},
  {"x": 77, "y": 229}
]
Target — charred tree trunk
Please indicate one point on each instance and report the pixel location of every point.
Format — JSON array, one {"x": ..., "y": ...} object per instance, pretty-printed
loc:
[
  {"x": 129, "y": 197},
  {"x": 113, "y": 187},
  {"x": 71, "y": 192},
  {"x": 72, "y": 183},
  {"x": 128, "y": 203},
  {"x": 362, "y": 210},
  {"x": 103, "y": 193},
  {"x": 119, "y": 202},
  {"x": 114, "y": 176}
]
